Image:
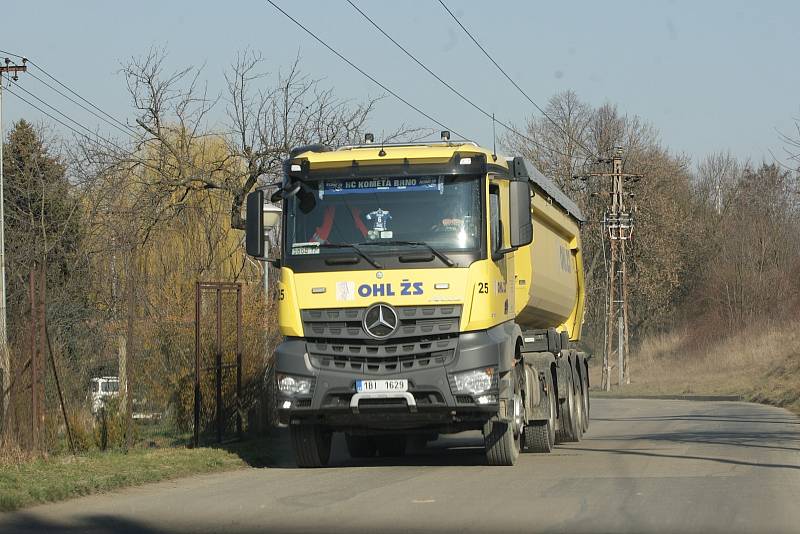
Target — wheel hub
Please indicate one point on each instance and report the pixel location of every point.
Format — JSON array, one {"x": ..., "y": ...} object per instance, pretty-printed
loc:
[{"x": 519, "y": 411}]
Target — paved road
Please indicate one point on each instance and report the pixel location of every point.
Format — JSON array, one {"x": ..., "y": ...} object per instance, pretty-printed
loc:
[{"x": 644, "y": 466}]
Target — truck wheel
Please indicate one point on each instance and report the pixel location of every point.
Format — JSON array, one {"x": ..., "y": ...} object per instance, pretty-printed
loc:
[
  {"x": 311, "y": 444},
  {"x": 360, "y": 446},
  {"x": 502, "y": 440},
  {"x": 502, "y": 447},
  {"x": 561, "y": 435},
  {"x": 572, "y": 420},
  {"x": 585, "y": 395},
  {"x": 537, "y": 437},
  {"x": 391, "y": 446},
  {"x": 579, "y": 406},
  {"x": 540, "y": 435}
]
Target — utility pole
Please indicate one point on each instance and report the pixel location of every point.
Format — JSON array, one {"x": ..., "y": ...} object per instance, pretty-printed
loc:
[
  {"x": 618, "y": 225},
  {"x": 9, "y": 68}
]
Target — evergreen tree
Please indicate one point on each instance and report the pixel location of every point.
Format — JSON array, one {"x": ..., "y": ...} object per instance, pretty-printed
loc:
[{"x": 42, "y": 228}]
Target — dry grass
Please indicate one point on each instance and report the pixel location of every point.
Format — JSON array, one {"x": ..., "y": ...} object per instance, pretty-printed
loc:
[
  {"x": 32, "y": 480},
  {"x": 760, "y": 364}
]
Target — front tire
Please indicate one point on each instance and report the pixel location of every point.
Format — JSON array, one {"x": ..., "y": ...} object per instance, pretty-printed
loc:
[
  {"x": 502, "y": 440},
  {"x": 502, "y": 447},
  {"x": 311, "y": 444}
]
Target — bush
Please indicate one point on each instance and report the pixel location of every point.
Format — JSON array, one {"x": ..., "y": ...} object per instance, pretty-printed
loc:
[{"x": 109, "y": 427}]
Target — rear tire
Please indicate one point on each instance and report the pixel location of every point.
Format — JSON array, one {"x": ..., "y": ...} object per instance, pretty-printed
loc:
[
  {"x": 537, "y": 437},
  {"x": 311, "y": 444},
  {"x": 572, "y": 420},
  {"x": 360, "y": 446},
  {"x": 579, "y": 399},
  {"x": 585, "y": 383}
]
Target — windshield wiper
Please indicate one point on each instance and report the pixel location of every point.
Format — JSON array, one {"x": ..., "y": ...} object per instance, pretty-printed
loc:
[
  {"x": 441, "y": 255},
  {"x": 358, "y": 251}
]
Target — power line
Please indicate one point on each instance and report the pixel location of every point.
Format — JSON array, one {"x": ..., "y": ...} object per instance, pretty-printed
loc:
[
  {"x": 515, "y": 84},
  {"x": 55, "y": 109},
  {"x": 64, "y": 124},
  {"x": 10, "y": 54},
  {"x": 62, "y": 84},
  {"x": 125, "y": 131},
  {"x": 443, "y": 82},
  {"x": 111, "y": 120},
  {"x": 364, "y": 73}
]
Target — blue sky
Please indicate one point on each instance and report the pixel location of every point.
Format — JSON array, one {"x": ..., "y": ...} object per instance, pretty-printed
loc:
[{"x": 709, "y": 75}]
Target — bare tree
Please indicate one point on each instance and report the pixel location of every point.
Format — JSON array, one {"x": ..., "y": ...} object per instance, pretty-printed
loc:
[
  {"x": 717, "y": 175},
  {"x": 179, "y": 149}
]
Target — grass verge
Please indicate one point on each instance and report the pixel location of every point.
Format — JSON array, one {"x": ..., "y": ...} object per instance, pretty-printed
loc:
[{"x": 61, "y": 477}]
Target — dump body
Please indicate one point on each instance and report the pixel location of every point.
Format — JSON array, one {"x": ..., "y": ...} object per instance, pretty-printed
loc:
[
  {"x": 411, "y": 287},
  {"x": 555, "y": 297}
]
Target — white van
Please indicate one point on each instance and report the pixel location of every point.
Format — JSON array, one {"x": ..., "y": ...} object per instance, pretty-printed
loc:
[{"x": 102, "y": 388}]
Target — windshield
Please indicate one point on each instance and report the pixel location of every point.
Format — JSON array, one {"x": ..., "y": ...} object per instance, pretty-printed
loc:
[{"x": 440, "y": 211}]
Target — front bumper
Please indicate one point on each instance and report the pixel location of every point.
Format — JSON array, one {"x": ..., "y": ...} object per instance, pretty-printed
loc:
[{"x": 431, "y": 400}]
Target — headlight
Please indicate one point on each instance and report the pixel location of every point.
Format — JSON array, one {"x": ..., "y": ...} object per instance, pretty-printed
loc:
[
  {"x": 294, "y": 385},
  {"x": 475, "y": 382}
]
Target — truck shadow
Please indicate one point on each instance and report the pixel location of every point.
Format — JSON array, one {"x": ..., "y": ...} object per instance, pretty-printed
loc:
[
  {"x": 781, "y": 420},
  {"x": 770, "y": 440},
  {"x": 464, "y": 449},
  {"x": 635, "y": 452},
  {"x": 275, "y": 451},
  {"x": 31, "y": 522}
]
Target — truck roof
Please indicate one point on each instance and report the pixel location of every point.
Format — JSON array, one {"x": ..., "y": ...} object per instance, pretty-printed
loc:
[{"x": 392, "y": 152}]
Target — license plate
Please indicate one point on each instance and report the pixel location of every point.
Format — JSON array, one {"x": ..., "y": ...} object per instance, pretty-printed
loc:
[{"x": 381, "y": 386}]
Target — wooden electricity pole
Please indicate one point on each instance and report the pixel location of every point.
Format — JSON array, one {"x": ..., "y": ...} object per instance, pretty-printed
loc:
[
  {"x": 618, "y": 226},
  {"x": 12, "y": 70}
]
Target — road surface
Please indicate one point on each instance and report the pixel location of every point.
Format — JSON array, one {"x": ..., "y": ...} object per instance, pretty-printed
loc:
[{"x": 644, "y": 466}]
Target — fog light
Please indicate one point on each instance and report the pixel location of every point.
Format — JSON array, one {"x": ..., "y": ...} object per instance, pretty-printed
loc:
[
  {"x": 287, "y": 405},
  {"x": 486, "y": 399}
]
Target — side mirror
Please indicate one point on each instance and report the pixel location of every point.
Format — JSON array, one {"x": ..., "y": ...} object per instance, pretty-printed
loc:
[
  {"x": 254, "y": 227},
  {"x": 521, "y": 230},
  {"x": 284, "y": 192}
]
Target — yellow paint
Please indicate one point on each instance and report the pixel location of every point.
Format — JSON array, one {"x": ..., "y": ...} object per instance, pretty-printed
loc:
[{"x": 540, "y": 285}]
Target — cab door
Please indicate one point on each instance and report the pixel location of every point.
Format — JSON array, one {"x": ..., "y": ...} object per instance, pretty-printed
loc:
[{"x": 502, "y": 265}]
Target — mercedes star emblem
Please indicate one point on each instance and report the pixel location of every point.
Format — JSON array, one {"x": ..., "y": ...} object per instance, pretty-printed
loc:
[{"x": 380, "y": 321}]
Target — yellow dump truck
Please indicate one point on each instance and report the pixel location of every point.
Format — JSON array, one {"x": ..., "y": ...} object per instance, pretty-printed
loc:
[{"x": 424, "y": 289}]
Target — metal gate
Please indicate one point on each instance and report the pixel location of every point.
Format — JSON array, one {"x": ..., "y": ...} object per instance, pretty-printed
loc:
[{"x": 219, "y": 366}]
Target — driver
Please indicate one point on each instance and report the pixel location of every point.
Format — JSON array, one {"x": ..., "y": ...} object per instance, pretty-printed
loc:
[{"x": 323, "y": 231}]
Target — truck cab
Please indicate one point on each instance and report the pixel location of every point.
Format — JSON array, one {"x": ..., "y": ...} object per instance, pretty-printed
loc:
[{"x": 403, "y": 273}]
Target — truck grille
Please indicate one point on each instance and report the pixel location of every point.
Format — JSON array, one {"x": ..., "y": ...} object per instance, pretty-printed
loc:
[
  {"x": 415, "y": 322},
  {"x": 426, "y": 337}
]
